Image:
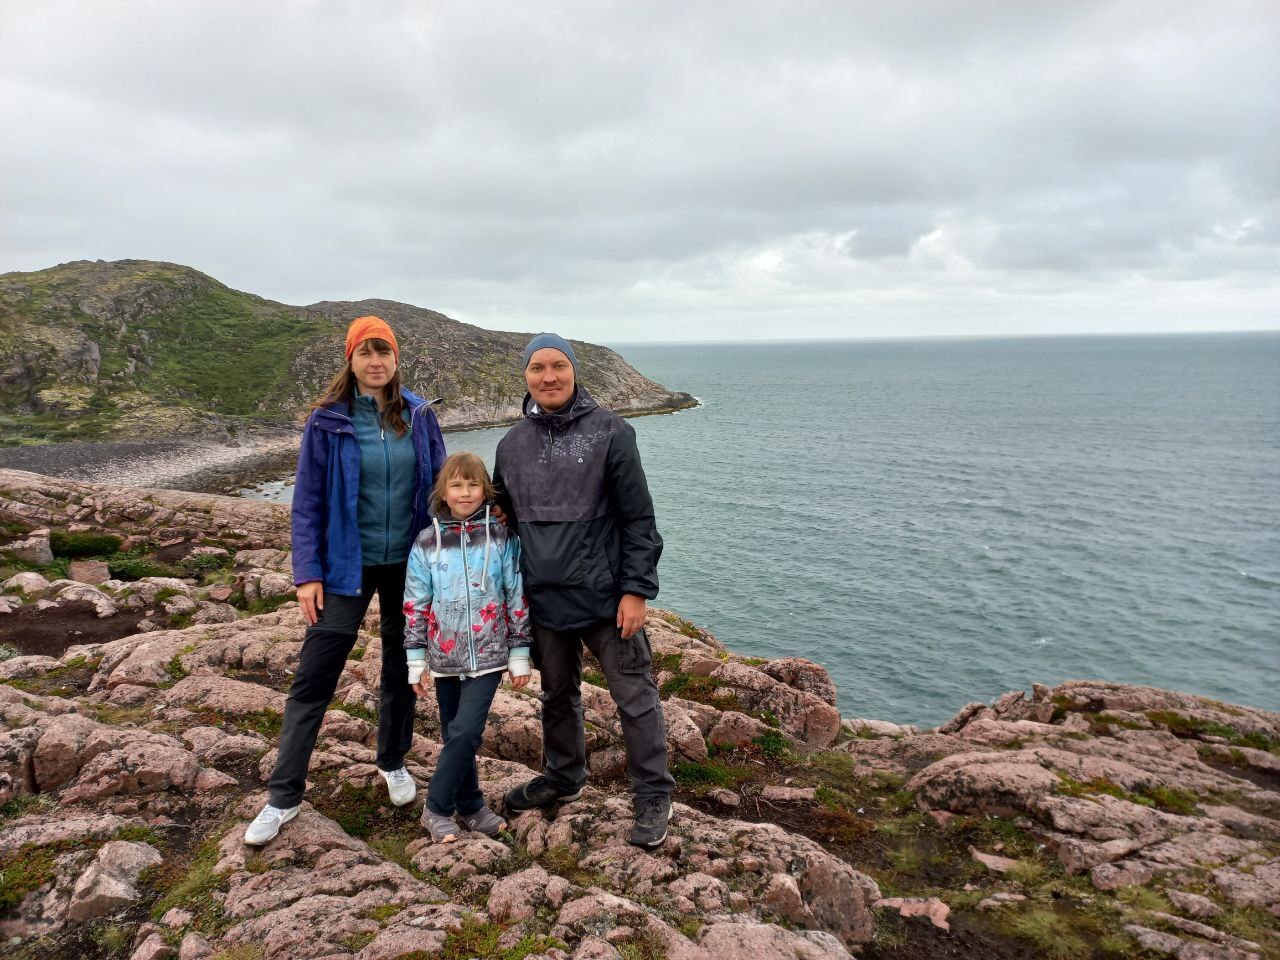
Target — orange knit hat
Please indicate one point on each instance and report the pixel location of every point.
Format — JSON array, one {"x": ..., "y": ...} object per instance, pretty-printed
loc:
[{"x": 367, "y": 328}]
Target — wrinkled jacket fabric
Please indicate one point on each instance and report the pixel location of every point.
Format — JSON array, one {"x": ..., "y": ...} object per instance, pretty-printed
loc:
[
  {"x": 573, "y": 483},
  {"x": 326, "y": 536},
  {"x": 464, "y": 599}
]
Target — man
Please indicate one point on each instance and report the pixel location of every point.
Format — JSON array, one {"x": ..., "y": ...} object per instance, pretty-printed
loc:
[{"x": 569, "y": 476}]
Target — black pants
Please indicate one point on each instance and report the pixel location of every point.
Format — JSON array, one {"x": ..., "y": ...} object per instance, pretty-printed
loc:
[
  {"x": 324, "y": 653},
  {"x": 464, "y": 710},
  {"x": 626, "y": 665}
]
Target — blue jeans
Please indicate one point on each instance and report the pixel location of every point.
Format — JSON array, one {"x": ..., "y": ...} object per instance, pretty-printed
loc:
[{"x": 464, "y": 710}]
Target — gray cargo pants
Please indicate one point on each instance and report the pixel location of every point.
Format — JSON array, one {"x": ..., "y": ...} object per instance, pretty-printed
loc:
[{"x": 626, "y": 665}]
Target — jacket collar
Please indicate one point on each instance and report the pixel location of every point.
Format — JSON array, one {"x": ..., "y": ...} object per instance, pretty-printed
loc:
[
  {"x": 581, "y": 404},
  {"x": 343, "y": 408}
]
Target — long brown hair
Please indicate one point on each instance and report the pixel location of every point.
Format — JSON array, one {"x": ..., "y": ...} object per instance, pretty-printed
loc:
[{"x": 342, "y": 388}]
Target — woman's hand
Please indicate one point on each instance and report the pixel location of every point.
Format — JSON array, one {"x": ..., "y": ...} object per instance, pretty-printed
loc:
[
  {"x": 518, "y": 682},
  {"x": 311, "y": 599}
]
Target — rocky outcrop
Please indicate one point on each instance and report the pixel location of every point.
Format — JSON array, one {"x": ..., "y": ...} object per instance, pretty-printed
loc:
[
  {"x": 135, "y": 349},
  {"x": 1114, "y": 817}
]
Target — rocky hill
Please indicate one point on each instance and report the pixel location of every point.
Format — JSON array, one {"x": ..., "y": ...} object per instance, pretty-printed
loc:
[
  {"x": 135, "y": 349},
  {"x": 148, "y": 638}
]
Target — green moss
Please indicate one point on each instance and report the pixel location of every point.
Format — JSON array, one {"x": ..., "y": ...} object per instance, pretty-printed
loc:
[
  {"x": 683, "y": 626},
  {"x": 357, "y": 710},
  {"x": 266, "y": 604},
  {"x": 1184, "y": 726},
  {"x": 25, "y": 803},
  {"x": 692, "y": 686},
  {"x": 383, "y": 912},
  {"x": 594, "y": 677},
  {"x": 1168, "y": 799},
  {"x": 26, "y": 870},
  {"x": 708, "y": 773},
  {"x": 772, "y": 745},
  {"x": 670, "y": 662},
  {"x": 477, "y": 940}
]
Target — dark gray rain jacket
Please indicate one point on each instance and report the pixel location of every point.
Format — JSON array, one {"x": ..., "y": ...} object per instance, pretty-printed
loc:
[{"x": 573, "y": 483}]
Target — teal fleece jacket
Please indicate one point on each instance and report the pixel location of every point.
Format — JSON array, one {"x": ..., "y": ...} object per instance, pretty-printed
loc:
[{"x": 384, "y": 508}]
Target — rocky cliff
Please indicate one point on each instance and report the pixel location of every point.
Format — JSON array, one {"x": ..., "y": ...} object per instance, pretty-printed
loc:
[
  {"x": 135, "y": 349},
  {"x": 148, "y": 638}
]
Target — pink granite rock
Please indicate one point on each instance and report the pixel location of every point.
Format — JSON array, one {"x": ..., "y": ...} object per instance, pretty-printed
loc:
[
  {"x": 110, "y": 882},
  {"x": 931, "y": 908}
]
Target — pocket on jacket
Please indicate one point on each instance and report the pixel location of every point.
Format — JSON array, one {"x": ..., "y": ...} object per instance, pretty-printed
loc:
[
  {"x": 552, "y": 555},
  {"x": 637, "y": 657}
]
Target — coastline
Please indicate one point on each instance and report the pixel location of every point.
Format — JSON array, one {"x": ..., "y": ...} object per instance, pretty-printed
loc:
[{"x": 202, "y": 465}]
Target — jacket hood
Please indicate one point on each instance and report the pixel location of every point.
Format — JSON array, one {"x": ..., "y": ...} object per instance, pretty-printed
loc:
[{"x": 581, "y": 404}]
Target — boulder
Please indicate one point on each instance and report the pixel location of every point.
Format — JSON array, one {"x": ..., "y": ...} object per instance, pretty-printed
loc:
[
  {"x": 26, "y": 582},
  {"x": 89, "y": 571},
  {"x": 34, "y": 550},
  {"x": 110, "y": 882}
]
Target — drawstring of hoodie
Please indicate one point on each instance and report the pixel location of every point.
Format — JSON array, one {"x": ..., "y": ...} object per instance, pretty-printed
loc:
[
  {"x": 436, "y": 556},
  {"x": 484, "y": 567}
]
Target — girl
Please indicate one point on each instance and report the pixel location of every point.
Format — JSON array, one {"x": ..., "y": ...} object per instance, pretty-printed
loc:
[
  {"x": 370, "y": 454},
  {"x": 466, "y": 621}
]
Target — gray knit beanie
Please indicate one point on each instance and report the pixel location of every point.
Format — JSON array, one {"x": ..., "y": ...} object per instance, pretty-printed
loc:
[{"x": 555, "y": 341}]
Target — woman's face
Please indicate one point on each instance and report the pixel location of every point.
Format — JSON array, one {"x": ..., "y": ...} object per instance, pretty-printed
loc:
[{"x": 373, "y": 366}]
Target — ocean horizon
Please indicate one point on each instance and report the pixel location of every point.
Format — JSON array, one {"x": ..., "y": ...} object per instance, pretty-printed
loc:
[{"x": 940, "y": 520}]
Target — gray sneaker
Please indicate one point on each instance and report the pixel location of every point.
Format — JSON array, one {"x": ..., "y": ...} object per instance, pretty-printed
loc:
[
  {"x": 484, "y": 821},
  {"x": 441, "y": 828},
  {"x": 652, "y": 816}
]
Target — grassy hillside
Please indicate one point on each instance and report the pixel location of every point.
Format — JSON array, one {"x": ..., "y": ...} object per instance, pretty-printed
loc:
[{"x": 137, "y": 349}]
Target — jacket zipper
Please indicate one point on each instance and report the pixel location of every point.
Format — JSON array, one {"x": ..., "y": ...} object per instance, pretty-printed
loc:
[
  {"x": 386, "y": 499},
  {"x": 466, "y": 585}
]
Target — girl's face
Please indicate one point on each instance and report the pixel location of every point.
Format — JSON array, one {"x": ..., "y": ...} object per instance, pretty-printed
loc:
[
  {"x": 464, "y": 496},
  {"x": 373, "y": 368}
]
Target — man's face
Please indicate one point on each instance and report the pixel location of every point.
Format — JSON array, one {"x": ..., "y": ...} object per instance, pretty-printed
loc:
[{"x": 550, "y": 378}]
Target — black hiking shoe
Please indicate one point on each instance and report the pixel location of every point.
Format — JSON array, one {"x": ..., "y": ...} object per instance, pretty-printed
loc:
[
  {"x": 652, "y": 816},
  {"x": 537, "y": 793}
]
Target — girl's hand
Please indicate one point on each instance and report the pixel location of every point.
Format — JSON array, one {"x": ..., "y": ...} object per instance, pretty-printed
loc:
[
  {"x": 420, "y": 688},
  {"x": 311, "y": 599},
  {"x": 519, "y": 682}
]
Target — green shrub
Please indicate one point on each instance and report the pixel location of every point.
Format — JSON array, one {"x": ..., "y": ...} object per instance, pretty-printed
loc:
[
  {"x": 136, "y": 564},
  {"x": 74, "y": 545}
]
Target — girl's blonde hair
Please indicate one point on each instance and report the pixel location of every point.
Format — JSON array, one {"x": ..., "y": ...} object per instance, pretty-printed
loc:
[{"x": 467, "y": 466}]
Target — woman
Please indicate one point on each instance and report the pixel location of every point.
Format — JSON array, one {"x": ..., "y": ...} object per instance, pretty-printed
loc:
[{"x": 370, "y": 454}]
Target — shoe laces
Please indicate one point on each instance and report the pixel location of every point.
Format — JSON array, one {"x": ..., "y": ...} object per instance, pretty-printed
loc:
[
  {"x": 649, "y": 806},
  {"x": 398, "y": 777},
  {"x": 268, "y": 814}
]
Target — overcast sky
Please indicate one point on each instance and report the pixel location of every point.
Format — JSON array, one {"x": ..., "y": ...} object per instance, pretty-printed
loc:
[{"x": 654, "y": 171}]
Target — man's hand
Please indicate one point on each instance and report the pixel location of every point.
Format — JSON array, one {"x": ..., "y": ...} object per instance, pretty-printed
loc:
[
  {"x": 311, "y": 599},
  {"x": 519, "y": 682},
  {"x": 630, "y": 615},
  {"x": 499, "y": 514},
  {"x": 420, "y": 688}
]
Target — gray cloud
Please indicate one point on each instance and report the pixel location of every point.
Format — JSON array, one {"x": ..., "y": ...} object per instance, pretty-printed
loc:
[{"x": 656, "y": 171}]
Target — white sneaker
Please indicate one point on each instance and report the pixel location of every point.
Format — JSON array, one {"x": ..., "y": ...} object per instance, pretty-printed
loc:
[
  {"x": 401, "y": 786},
  {"x": 267, "y": 824}
]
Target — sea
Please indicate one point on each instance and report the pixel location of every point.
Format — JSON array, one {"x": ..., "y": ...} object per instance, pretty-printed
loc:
[{"x": 942, "y": 521}]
